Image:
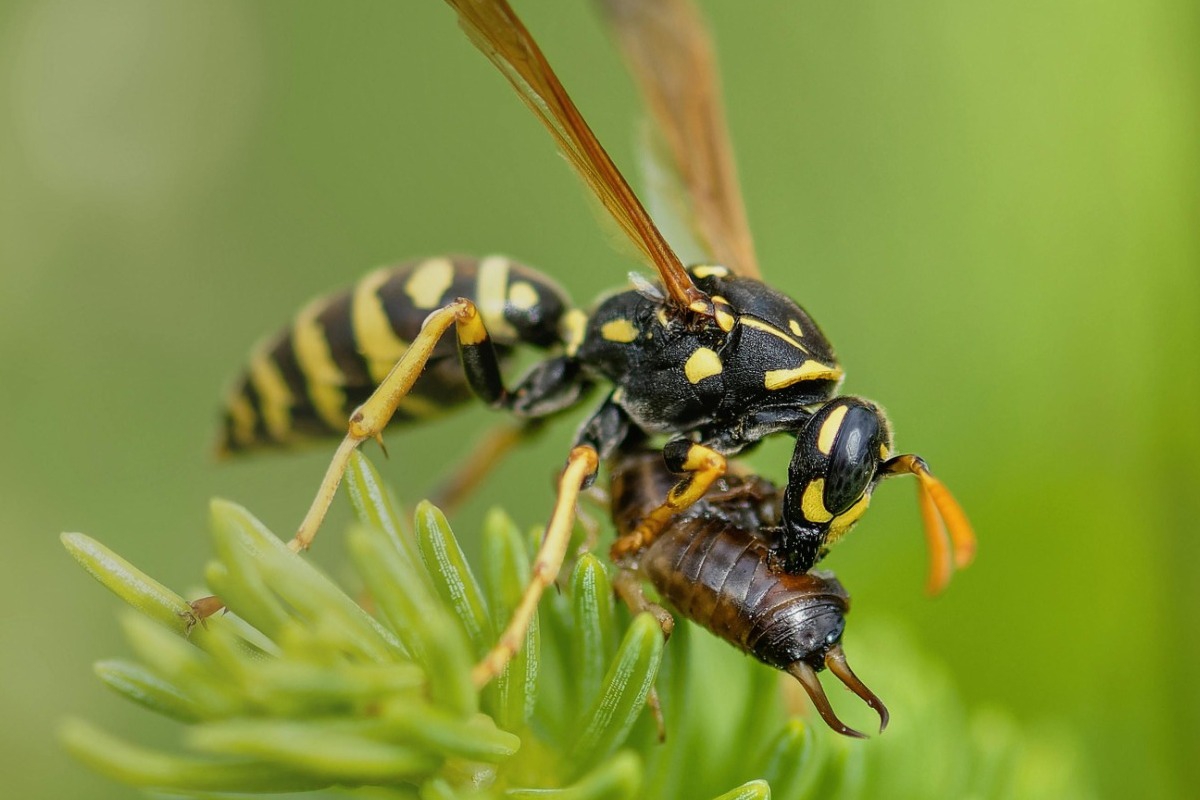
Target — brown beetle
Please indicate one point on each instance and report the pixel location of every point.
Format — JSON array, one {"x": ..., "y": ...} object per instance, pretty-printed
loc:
[{"x": 713, "y": 564}]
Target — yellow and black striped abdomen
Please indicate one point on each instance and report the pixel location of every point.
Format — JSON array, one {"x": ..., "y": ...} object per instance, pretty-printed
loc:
[{"x": 305, "y": 381}]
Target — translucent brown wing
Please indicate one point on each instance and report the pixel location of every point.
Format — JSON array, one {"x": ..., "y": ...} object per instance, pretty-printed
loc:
[
  {"x": 671, "y": 57},
  {"x": 495, "y": 29}
]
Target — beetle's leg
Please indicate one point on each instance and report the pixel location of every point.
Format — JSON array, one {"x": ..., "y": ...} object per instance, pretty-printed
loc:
[
  {"x": 369, "y": 419},
  {"x": 629, "y": 588},
  {"x": 581, "y": 469},
  {"x": 701, "y": 465}
]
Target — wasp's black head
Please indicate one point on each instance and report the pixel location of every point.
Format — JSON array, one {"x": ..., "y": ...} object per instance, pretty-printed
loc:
[{"x": 834, "y": 469}]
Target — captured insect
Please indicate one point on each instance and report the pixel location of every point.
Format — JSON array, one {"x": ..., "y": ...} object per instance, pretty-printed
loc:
[
  {"x": 713, "y": 564},
  {"x": 708, "y": 357}
]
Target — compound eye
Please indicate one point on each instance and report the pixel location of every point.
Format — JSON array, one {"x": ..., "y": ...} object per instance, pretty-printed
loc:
[{"x": 853, "y": 458}]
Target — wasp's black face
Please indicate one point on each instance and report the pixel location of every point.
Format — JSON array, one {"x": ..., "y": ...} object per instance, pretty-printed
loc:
[{"x": 834, "y": 469}]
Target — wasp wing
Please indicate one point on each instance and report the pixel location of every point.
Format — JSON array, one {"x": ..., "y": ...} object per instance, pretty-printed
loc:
[
  {"x": 671, "y": 57},
  {"x": 495, "y": 29}
]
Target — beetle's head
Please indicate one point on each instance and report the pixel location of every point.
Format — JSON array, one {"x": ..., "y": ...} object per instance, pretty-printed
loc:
[{"x": 814, "y": 625}]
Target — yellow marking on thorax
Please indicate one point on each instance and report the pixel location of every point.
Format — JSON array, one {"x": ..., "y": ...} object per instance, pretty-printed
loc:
[
  {"x": 795, "y": 327},
  {"x": 429, "y": 282},
  {"x": 274, "y": 397},
  {"x": 723, "y": 312},
  {"x": 378, "y": 343},
  {"x": 808, "y": 371},
  {"x": 522, "y": 295},
  {"x": 619, "y": 330},
  {"x": 322, "y": 376},
  {"x": 711, "y": 271},
  {"x": 661, "y": 316},
  {"x": 241, "y": 418},
  {"x": 830, "y": 428},
  {"x": 491, "y": 295},
  {"x": 572, "y": 329},
  {"x": 812, "y": 502},
  {"x": 702, "y": 363},
  {"x": 766, "y": 327},
  {"x": 843, "y": 522}
]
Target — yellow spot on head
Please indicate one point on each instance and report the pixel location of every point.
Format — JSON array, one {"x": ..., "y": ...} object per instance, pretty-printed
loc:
[
  {"x": 522, "y": 296},
  {"x": 808, "y": 371},
  {"x": 843, "y": 522},
  {"x": 619, "y": 330},
  {"x": 572, "y": 329},
  {"x": 812, "y": 503},
  {"x": 830, "y": 428},
  {"x": 702, "y": 363},
  {"x": 429, "y": 281},
  {"x": 795, "y": 327},
  {"x": 710, "y": 271}
]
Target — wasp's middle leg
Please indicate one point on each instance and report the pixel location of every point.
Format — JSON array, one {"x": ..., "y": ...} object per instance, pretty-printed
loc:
[
  {"x": 581, "y": 469},
  {"x": 701, "y": 466}
]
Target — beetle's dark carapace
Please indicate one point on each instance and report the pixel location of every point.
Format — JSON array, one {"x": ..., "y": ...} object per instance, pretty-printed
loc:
[{"x": 713, "y": 565}]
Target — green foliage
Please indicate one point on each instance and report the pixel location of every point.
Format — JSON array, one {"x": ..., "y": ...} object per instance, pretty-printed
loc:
[{"x": 302, "y": 688}]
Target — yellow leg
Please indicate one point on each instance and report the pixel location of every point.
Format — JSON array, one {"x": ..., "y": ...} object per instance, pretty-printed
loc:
[
  {"x": 369, "y": 419},
  {"x": 581, "y": 464},
  {"x": 703, "y": 466}
]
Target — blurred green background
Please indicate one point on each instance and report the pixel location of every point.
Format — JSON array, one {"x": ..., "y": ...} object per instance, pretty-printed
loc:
[{"x": 991, "y": 209}]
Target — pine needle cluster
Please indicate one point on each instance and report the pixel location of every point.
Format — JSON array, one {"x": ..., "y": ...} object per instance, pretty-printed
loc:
[{"x": 305, "y": 687}]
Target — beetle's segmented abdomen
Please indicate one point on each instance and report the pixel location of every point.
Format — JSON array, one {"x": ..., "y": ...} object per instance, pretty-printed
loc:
[
  {"x": 722, "y": 578},
  {"x": 306, "y": 380}
]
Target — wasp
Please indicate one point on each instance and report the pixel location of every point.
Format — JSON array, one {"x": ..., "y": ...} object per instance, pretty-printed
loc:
[
  {"x": 713, "y": 563},
  {"x": 707, "y": 357}
]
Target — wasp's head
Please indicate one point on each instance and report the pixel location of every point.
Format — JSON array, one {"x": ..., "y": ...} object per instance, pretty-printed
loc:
[
  {"x": 834, "y": 469},
  {"x": 841, "y": 454}
]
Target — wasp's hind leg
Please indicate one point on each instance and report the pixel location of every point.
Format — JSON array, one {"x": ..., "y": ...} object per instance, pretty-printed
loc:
[
  {"x": 581, "y": 469},
  {"x": 701, "y": 466},
  {"x": 369, "y": 419}
]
